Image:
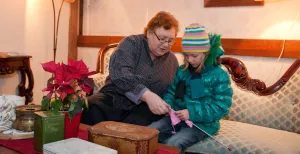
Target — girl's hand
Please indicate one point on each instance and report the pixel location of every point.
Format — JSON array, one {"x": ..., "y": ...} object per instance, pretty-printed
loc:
[{"x": 183, "y": 114}]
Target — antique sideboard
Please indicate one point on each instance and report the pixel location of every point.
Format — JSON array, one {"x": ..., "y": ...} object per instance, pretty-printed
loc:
[{"x": 20, "y": 63}]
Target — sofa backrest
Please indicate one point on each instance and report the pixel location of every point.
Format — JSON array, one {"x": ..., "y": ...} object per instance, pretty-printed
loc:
[
  {"x": 277, "y": 106},
  {"x": 279, "y": 110}
]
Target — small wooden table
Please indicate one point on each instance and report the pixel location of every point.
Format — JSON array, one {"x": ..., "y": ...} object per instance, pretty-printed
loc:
[{"x": 19, "y": 63}]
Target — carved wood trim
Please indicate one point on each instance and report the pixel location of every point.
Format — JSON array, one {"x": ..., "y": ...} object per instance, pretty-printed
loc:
[
  {"x": 281, "y": 82},
  {"x": 241, "y": 47},
  {"x": 101, "y": 56},
  {"x": 222, "y": 3},
  {"x": 240, "y": 76},
  {"x": 235, "y": 67}
]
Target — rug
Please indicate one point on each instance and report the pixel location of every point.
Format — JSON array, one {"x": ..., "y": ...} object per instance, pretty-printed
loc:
[{"x": 26, "y": 146}]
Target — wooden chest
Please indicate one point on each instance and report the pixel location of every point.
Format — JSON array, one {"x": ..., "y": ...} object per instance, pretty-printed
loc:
[{"x": 125, "y": 138}]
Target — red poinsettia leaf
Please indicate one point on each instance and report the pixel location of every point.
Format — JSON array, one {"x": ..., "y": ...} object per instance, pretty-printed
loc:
[
  {"x": 49, "y": 95},
  {"x": 80, "y": 65},
  {"x": 91, "y": 73},
  {"x": 63, "y": 91},
  {"x": 71, "y": 62},
  {"x": 79, "y": 69},
  {"x": 50, "y": 87},
  {"x": 68, "y": 76},
  {"x": 62, "y": 94},
  {"x": 59, "y": 74},
  {"x": 89, "y": 82},
  {"x": 76, "y": 76},
  {"x": 68, "y": 83},
  {"x": 86, "y": 88},
  {"x": 72, "y": 69},
  {"x": 46, "y": 89},
  {"x": 68, "y": 89},
  {"x": 50, "y": 66}
]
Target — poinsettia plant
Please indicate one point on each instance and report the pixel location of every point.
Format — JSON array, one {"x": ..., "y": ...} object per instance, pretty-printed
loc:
[{"x": 68, "y": 86}]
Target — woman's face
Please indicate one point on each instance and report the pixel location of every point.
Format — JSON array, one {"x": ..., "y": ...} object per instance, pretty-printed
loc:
[
  {"x": 160, "y": 40},
  {"x": 194, "y": 59}
]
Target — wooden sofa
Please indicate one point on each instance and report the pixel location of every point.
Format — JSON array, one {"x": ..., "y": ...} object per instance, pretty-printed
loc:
[{"x": 261, "y": 120}]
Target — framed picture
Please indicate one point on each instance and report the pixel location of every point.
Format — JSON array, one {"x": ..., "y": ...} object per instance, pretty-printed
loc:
[{"x": 224, "y": 3}]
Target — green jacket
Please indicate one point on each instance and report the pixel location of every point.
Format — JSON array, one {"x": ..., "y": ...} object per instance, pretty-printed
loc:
[
  {"x": 207, "y": 95},
  {"x": 206, "y": 110}
]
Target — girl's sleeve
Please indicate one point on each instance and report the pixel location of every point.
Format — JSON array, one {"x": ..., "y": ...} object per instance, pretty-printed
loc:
[
  {"x": 215, "y": 107},
  {"x": 169, "y": 96}
]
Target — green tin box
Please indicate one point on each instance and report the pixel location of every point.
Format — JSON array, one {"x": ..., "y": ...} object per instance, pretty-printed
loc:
[{"x": 48, "y": 127}]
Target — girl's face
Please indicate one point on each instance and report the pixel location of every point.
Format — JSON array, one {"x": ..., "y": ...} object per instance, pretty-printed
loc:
[{"x": 194, "y": 59}]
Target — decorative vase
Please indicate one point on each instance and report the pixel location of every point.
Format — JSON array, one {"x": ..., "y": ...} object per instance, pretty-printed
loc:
[
  {"x": 72, "y": 125},
  {"x": 25, "y": 117}
]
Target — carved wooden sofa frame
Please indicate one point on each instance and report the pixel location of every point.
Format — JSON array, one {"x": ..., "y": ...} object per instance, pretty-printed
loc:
[{"x": 256, "y": 108}]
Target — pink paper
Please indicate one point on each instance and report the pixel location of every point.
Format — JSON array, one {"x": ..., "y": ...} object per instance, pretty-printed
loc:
[
  {"x": 189, "y": 123},
  {"x": 175, "y": 120}
]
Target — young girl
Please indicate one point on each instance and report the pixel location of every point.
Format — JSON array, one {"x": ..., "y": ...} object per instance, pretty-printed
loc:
[{"x": 200, "y": 93}]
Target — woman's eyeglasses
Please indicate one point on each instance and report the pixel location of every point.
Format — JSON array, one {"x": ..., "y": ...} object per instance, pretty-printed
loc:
[{"x": 162, "y": 41}]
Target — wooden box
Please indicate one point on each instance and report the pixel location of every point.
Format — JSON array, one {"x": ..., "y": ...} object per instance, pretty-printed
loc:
[
  {"x": 125, "y": 138},
  {"x": 48, "y": 127}
]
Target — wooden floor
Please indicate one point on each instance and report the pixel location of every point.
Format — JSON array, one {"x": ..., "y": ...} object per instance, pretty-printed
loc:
[{"x": 4, "y": 150}]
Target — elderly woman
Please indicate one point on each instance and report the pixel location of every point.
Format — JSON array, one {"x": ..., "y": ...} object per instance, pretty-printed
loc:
[{"x": 140, "y": 70}]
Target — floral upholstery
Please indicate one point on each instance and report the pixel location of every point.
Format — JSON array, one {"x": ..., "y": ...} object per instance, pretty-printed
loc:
[
  {"x": 106, "y": 59},
  {"x": 280, "y": 110},
  {"x": 99, "y": 78},
  {"x": 255, "y": 124},
  {"x": 245, "y": 138}
]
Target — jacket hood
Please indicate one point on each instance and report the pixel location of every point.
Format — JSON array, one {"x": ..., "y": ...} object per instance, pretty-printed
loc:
[{"x": 215, "y": 50}]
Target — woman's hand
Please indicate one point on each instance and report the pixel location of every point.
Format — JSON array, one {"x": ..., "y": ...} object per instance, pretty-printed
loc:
[
  {"x": 183, "y": 114},
  {"x": 155, "y": 103}
]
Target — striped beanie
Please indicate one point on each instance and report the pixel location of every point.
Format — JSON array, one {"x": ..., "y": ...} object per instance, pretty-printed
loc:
[{"x": 195, "y": 39}]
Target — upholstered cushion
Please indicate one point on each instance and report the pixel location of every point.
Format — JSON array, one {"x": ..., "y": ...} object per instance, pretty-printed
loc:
[
  {"x": 247, "y": 138},
  {"x": 99, "y": 81},
  {"x": 280, "y": 110},
  {"x": 99, "y": 78},
  {"x": 106, "y": 59}
]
